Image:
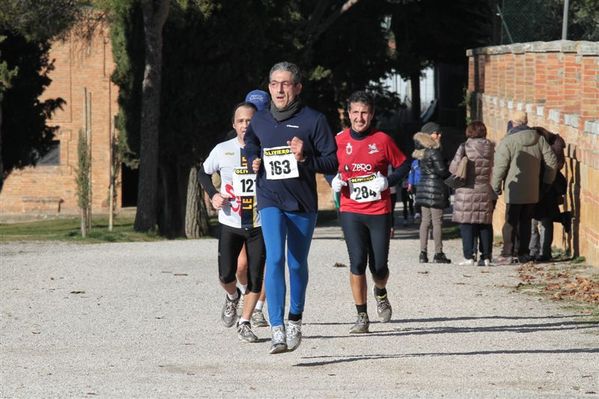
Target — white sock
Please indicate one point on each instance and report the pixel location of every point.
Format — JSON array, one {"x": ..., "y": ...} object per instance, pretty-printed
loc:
[
  {"x": 242, "y": 287},
  {"x": 242, "y": 320},
  {"x": 233, "y": 296},
  {"x": 259, "y": 305}
]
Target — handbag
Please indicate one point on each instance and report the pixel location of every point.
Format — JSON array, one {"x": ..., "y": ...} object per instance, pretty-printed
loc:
[{"x": 458, "y": 179}]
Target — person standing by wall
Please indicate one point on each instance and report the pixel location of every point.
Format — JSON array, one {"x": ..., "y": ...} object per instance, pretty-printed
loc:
[
  {"x": 474, "y": 203},
  {"x": 365, "y": 155},
  {"x": 286, "y": 145},
  {"x": 518, "y": 161},
  {"x": 547, "y": 209}
]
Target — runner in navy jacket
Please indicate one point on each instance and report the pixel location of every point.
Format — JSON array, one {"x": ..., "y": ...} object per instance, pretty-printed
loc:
[{"x": 286, "y": 146}]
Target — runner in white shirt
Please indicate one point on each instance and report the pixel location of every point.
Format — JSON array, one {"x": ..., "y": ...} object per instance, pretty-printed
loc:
[{"x": 240, "y": 224}]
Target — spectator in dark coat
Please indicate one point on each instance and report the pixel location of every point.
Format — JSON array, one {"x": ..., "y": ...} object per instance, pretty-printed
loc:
[
  {"x": 474, "y": 203},
  {"x": 547, "y": 209},
  {"x": 431, "y": 194}
]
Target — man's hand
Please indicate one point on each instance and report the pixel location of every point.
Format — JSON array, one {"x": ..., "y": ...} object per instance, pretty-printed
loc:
[
  {"x": 409, "y": 189},
  {"x": 337, "y": 183},
  {"x": 297, "y": 148},
  {"x": 256, "y": 165},
  {"x": 218, "y": 200}
]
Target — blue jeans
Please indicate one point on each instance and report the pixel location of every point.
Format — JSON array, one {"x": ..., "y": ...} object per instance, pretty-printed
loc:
[{"x": 294, "y": 229}]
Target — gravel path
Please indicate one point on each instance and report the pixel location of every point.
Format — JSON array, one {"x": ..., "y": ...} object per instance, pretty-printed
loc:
[{"x": 141, "y": 320}]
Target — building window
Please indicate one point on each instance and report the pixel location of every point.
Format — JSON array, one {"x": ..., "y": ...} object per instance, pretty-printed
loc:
[{"x": 52, "y": 157}]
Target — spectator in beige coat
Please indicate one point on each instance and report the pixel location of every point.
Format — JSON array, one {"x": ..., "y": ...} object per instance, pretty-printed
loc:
[
  {"x": 474, "y": 203},
  {"x": 516, "y": 172}
]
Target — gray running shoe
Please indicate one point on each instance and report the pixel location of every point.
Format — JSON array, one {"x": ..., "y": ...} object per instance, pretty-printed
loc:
[
  {"x": 279, "y": 341},
  {"x": 240, "y": 305},
  {"x": 245, "y": 333},
  {"x": 362, "y": 324},
  {"x": 229, "y": 312},
  {"x": 294, "y": 334},
  {"x": 258, "y": 319},
  {"x": 383, "y": 308}
]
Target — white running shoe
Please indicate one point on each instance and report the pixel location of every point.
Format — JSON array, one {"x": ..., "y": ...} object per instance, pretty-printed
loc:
[
  {"x": 278, "y": 341},
  {"x": 294, "y": 334},
  {"x": 467, "y": 262}
]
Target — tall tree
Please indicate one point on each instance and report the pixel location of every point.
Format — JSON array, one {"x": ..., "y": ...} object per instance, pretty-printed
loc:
[
  {"x": 27, "y": 26},
  {"x": 155, "y": 13},
  {"x": 430, "y": 31}
]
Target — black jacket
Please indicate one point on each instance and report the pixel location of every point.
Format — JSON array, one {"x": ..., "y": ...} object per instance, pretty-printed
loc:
[{"x": 431, "y": 191}]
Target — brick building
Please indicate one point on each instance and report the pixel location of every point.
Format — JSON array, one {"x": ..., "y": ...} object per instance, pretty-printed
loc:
[
  {"x": 49, "y": 189},
  {"x": 557, "y": 84}
]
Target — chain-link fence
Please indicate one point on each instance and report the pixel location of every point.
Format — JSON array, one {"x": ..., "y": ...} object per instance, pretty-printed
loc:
[
  {"x": 541, "y": 20},
  {"x": 529, "y": 20}
]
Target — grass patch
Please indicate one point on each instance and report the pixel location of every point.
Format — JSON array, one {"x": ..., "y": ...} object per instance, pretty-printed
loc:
[{"x": 67, "y": 229}]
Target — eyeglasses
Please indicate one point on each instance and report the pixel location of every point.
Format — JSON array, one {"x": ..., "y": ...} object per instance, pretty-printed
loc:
[{"x": 285, "y": 84}]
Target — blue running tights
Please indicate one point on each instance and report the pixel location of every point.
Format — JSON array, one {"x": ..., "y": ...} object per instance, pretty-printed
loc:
[{"x": 278, "y": 228}]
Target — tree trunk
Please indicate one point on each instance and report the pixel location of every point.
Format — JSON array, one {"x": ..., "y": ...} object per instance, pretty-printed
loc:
[
  {"x": 196, "y": 216},
  {"x": 1, "y": 160},
  {"x": 172, "y": 193},
  {"x": 154, "y": 17},
  {"x": 415, "y": 87}
]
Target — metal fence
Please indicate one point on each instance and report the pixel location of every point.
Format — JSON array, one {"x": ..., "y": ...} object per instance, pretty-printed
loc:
[{"x": 529, "y": 20}]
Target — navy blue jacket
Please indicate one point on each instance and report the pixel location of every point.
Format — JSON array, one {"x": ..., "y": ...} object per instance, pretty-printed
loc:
[{"x": 296, "y": 194}]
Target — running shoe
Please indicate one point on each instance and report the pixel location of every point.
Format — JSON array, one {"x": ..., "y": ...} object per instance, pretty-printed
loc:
[
  {"x": 362, "y": 324},
  {"x": 229, "y": 312},
  {"x": 294, "y": 334},
  {"x": 467, "y": 262},
  {"x": 258, "y": 319},
  {"x": 245, "y": 333},
  {"x": 383, "y": 308},
  {"x": 423, "y": 258},
  {"x": 240, "y": 305},
  {"x": 278, "y": 341}
]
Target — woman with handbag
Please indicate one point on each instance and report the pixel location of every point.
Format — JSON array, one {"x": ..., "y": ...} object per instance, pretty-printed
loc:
[{"x": 474, "y": 202}]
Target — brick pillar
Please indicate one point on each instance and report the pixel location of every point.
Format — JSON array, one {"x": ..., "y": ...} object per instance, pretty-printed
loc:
[
  {"x": 540, "y": 78},
  {"x": 554, "y": 81},
  {"x": 571, "y": 83},
  {"x": 589, "y": 92}
]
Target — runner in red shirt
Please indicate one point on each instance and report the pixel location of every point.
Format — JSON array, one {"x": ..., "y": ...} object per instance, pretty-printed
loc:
[{"x": 364, "y": 155}]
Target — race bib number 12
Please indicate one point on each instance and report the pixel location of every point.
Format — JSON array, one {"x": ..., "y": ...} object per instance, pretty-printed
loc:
[
  {"x": 244, "y": 183},
  {"x": 361, "y": 189},
  {"x": 280, "y": 163}
]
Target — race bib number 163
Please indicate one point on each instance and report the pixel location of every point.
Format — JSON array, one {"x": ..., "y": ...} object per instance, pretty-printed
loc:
[{"x": 279, "y": 163}]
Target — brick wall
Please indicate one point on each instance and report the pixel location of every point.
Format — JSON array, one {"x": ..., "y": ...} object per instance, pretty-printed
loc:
[
  {"x": 51, "y": 190},
  {"x": 557, "y": 84}
]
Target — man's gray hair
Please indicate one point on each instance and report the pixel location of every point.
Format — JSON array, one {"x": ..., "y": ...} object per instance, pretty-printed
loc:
[{"x": 286, "y": 66}]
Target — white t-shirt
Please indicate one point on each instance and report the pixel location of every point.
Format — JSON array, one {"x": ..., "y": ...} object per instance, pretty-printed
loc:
[{"x": 226, "y": 159}]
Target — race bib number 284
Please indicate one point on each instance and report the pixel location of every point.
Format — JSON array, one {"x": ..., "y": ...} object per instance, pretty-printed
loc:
[{"x": 362, "y": 190}]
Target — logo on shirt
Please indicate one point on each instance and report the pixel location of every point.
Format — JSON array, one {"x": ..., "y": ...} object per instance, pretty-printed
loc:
[
  {"x": 372, "y": 148},
  {"x": 229, "y": 153},
  {"x": 361, "y": 167},
  {"x": 293, "y": 126},
  {"x": 348, "y": 149}
]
